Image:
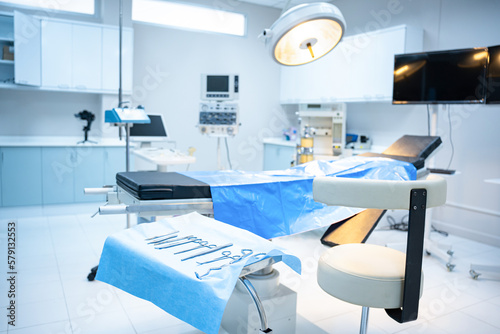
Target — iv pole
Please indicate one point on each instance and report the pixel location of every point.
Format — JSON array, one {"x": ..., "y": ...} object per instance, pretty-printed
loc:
[{"x": 120, "y": 96}]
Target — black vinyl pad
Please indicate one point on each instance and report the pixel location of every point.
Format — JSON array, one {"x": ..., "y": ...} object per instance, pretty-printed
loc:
[
  {"x": 412, "y": 149},
  {"x": 159, "y": 185},
  {"x": 414, "y": 146}
]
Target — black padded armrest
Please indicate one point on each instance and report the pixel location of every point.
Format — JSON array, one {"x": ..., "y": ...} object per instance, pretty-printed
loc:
[
  {"x": 414, "y": 146},
  {"x": 412, "y": 149}
]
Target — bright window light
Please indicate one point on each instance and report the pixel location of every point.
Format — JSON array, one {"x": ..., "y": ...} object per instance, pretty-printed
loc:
[
  {"x": 188, "y": 17},
  {"x": 75, "y": 6}
]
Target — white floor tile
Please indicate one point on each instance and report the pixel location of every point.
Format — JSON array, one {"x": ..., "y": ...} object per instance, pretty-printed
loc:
[
  {"x": 90, "y": 304},
  {"x": 348, "y": 323},
  {"x": 63, "y": 327},
  {"x": 486, "y": 312},
  {"x": 39, "y": 292},
  {"x": 150, "y": 318},
  {"x": 41, "y": 313},
  {"x": 106, "y": 323},
  {"x": 461, "y": 323}
]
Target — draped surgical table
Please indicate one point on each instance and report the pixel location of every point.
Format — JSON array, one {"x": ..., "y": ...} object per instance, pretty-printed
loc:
[
  {"x": 251, "y": 198},
  {"x": 268, "y": 204}
]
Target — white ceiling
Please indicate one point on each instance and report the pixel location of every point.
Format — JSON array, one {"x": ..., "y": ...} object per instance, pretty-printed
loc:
[{"x": 278, "y": 3}]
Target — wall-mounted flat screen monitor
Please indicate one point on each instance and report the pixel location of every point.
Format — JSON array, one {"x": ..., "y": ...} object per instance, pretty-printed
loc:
[
  {"x": 147, "y": 133},
  {"x": 493, "y": 76},
  {"x": 454, "y": 76}
]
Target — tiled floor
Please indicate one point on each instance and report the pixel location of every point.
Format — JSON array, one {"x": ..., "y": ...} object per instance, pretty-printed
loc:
[{"x": 57, "y": 245}]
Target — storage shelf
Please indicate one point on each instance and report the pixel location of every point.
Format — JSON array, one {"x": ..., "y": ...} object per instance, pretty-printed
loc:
[
  {"x": 8, "y": 62},
  {"x": 6, "y": 39}
]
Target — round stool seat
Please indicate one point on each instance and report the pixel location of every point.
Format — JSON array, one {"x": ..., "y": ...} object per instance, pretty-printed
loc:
[{"x": 364, "y": 274}]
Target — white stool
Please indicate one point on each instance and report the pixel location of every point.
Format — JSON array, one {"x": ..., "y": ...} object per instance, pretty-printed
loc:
[{"x": 371, "y": 275}]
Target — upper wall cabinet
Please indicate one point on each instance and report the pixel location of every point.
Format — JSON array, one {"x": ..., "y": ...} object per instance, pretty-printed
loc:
[
  {"x": 27, "y": 50},
  {"x": 359, "y": 69},
  {"x": 19, "y": 36},
  {"x": 64, "y": 55},
  {"x": 71, "y": 56},
  {"x": 85, "y": 57}
]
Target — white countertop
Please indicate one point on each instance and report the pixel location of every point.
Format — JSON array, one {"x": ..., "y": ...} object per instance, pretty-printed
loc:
[
  {"x": 279, "y": 141},
  {"x": 50, "y": 141}
]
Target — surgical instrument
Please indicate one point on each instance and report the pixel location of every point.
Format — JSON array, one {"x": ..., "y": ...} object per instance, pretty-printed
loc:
[
  {"x": 166, "y": 241},
  {"x": 227, "y": 255},
  {"x": 189, "y": 240},
  {"x": 237, "y": 259},
  {"x": 161, "y": 236},
  {"x": 202, "y": 244},
  {"x": 208, "y": 251},
  {"x": 162, "y": 241}
]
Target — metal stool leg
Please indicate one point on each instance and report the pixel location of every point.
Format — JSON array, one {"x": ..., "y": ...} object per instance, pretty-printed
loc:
[
  {"x": 260, "y": 308},
  {"x": 364, "y": 320}
]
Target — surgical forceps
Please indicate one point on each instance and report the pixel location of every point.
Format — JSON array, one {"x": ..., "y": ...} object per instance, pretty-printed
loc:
[
  {"x": 202, "y": 244},
  {"x": 189, "y": 240},
  {"x": 166, "y": 241},
  {"x": 237, "y": 258},
  {"x": 161, "y": 241},
  {"x": 227, "y": 255},
  {"x": 161, "y": 236}
]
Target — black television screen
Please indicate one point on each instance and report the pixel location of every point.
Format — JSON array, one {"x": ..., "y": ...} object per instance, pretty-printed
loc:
[
  {"x": 454, "y": 76},
  {"x": 493, "y": 91},
  {"x": 153, "y": 129}
]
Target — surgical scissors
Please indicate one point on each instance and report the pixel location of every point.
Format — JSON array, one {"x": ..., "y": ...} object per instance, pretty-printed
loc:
[{"x": 227, "y": 255}]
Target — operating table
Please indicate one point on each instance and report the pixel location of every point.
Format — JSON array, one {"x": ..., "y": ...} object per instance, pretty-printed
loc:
[{"x": 150, "y": 194}]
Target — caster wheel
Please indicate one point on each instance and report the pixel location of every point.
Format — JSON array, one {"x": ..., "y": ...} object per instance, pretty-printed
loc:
[
  {"x": 450, "y": 252},
  {"x": 450, "y": 266},
  {"x": 93, "y": 273},
  {"x": 427, "y": 253},
  {"x": 473, "y": 274}
]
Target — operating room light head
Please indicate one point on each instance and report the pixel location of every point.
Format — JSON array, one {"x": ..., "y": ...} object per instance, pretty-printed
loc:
[
  {"x": 304, "y": 33},
  {"x": 307, "y": 42}
]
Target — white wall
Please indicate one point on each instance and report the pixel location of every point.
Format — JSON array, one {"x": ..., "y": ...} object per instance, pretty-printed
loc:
[
  {"x": 167, "y": 67},
  {"x": 474, "y": 206}
]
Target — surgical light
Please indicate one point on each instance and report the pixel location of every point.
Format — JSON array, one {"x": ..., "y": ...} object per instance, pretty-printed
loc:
[{"x": 305, "y": 33}]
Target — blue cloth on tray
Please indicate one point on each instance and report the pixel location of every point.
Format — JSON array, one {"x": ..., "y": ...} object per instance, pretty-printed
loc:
[
  {"x": 129, "y": 263},
  {"x": 277, "y": 203}
]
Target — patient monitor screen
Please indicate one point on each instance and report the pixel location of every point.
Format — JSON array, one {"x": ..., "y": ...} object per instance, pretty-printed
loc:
[
  {"x": 153, "y": 129},
  {"x": 217, "y": 83}
]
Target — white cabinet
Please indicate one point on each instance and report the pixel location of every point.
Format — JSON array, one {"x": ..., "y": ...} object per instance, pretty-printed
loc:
[
  {"x": 57, "y": 60},
  {"x": 71, "y": 56},
  {"x": 27, "y": 49},
  {"x": 6, "y": 41},
  {"x": 20, "y": 34},
  {"x": 110, "y": 59},
  {"x": 359, "y": 69},
  {"x": 87, "y": 57},
  {"x": 63, "y": 55}
]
